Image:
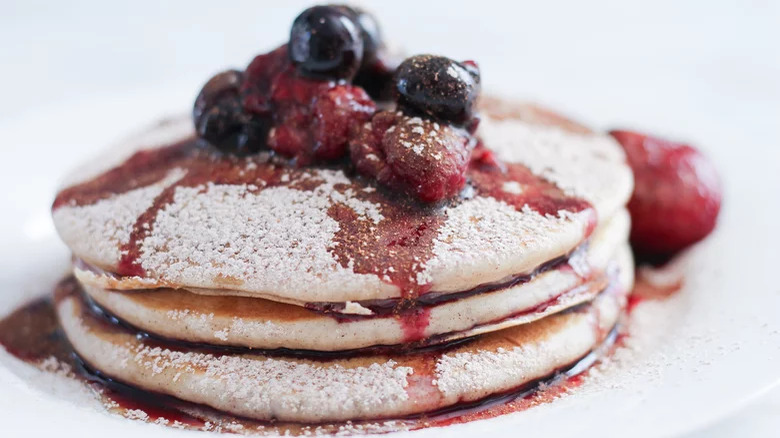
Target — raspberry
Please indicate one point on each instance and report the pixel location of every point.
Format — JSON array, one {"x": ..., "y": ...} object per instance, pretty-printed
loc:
[
  {"x": 338, "y": 111},
  {"x": 418, "y": 156},
  {"x": 676, "y": 198},
  {"x": 258, "y": 79},
  {"x": 310, "y": 119}
]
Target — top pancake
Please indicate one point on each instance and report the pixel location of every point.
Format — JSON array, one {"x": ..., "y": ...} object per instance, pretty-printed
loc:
[{"x": 179, "y": 216}]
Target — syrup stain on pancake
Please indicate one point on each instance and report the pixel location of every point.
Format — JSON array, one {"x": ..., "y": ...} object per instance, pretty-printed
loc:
[
  {"x": 516, "y": 185},
  {"x": 202, "y": 167},
  {"x": 33, "y": 334},
  {"x": 395, "y": 248},
  {"x": 398, "y": 248}
]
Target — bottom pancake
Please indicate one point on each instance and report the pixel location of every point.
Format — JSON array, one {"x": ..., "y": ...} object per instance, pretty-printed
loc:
[{"x": 314, "y": 390}]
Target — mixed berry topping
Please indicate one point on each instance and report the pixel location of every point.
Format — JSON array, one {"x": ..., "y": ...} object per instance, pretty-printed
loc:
[
  {"x": 424, "y": 148},
  {"x": 420, "y": 157},
  {"x": 676, "y": 198},
  {"x": 313, "y": 101},
  {"x": 326, "y": 42},
  {"x": 272, "y": 106},
  {"x": 313, "y": 120},
  {"x": 439, "y": 87},
  {"x": 310, "y": 119}
]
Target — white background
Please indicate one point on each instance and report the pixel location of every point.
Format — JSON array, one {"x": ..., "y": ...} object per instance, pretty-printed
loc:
[{"x": 703, "y": 71}]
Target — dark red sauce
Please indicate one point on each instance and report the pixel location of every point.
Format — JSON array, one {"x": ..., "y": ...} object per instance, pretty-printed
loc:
[
  {"x": 414, "y": 323},
  {"x": 396, "y": 249},
  {"x": 645, "y": 289},
  {"x": 416, "y": 342},
  {"x": 418, "y": 345},
  {"x": 397, "y": 306},
  {"x": 538, "y": 194},
  {"x": 140, "y": 170},
  {"x": 32, "y": 334}
]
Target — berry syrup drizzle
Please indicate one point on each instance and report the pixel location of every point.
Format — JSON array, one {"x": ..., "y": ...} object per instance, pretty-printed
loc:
[
  {"x": 301, "y": 102},
  {"x": 647, "y": 287},
  {"x": 33, "y": 334},
  {"x": 491, "y": 178},
  {"x": 396, "y": 249},
  {"x": 201, "y": 166},
  {"x": 392, "y": 306}
]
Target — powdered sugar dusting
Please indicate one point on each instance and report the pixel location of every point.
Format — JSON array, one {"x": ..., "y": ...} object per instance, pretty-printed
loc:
[
  {"x": 278, "y": 240},
  {"x": 469, "y": 240},
  {"x": 423, "y": 137},
  {"x": 107, "y": 224},
  {"x": 248, "y": 385},
  {"x": 484, "y": 371},
  {"x": 271, "y": 385},
  {"x": 242, "y": 328},
  {"x": 273, "y": 240}
]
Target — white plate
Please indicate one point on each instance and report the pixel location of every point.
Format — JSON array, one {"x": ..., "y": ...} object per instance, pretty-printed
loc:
[{"x": 697, "y": 357}]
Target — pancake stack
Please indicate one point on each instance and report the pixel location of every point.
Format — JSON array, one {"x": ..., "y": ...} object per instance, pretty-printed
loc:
[{"x": 313, "y": 295}]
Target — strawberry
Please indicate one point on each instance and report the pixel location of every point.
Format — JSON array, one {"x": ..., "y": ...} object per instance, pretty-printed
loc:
[
  {"x": 677, "y": 194},
  {"x": 308, "y": 119}
]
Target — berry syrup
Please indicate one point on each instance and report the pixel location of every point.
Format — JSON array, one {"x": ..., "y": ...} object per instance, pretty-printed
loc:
[{"x": 33, "y": 334}]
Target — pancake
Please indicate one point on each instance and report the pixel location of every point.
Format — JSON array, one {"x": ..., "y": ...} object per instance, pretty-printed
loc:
[
  {"x": 312, "y": 235},
  {"x": 264, "y": 324},
  {"x": 288, "y": 388},
  {"x": 310, "y": 294}
]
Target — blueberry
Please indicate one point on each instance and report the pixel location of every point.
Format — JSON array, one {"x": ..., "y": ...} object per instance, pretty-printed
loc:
[
  {"x": 220, "y": 119},
  {"x": 376, "y": 73},
  {"x": 326, "y": 43},
  {"x": 372, "y": 35},
  {"x": 438, "y": 86},
  {"x": 472, "y": 68},
  {"x": 369, "y": 31}
]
